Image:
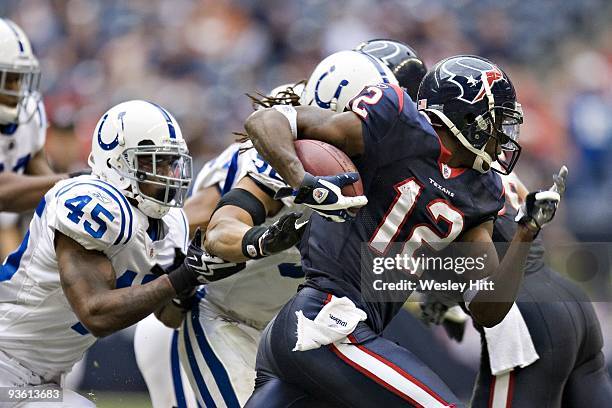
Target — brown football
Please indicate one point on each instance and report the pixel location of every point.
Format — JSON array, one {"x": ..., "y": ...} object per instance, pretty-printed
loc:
[{"x": 322, "y": 159}]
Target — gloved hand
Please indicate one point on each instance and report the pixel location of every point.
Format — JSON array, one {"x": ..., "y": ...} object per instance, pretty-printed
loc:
[
  {"x": 199, "y": 267},
  {"x": 262, "y": 241},
  {"x": 324, "y": 195},
  {"x": 540, "y": 206}
]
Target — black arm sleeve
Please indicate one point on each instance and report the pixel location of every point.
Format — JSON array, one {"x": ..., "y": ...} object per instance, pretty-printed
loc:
[{"x": 248, "y": 202}]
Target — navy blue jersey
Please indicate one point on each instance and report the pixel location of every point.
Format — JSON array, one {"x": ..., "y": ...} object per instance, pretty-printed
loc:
[{"x": 413, "y": 197}]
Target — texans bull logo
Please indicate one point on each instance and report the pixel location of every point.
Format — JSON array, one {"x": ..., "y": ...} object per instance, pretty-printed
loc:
[{"x": 474, "y": 72}]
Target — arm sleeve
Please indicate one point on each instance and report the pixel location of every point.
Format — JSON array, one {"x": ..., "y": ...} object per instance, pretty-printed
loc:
[{"x": 94, "y": 215}]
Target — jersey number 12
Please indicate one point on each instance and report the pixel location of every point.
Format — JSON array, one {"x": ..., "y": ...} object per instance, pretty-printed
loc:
[{"x": 408, "y": 192}]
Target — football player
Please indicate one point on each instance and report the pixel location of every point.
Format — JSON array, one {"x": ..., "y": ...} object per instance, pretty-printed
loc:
[
  {"x": 427, "y": 178},
  {"x": 566, "y": 366},
  {"x": 24, "y": 172},
  {"x": 562, "y": 325},
  {"x": 234, "y": 310},
  {"x": 249, "y": 300},
  {"x": 102, "y": 251}
]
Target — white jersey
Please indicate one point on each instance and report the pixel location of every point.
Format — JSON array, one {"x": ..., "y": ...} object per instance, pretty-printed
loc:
[
  {"x": 257, "y": 293},
  {"x": 18, "y": 144},
  {"x": 37, "y": 325}
]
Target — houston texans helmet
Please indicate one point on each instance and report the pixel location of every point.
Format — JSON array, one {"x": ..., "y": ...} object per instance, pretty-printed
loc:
[
  {"x": 401, "y": 59},
  {"x": 476, "y": 101}
]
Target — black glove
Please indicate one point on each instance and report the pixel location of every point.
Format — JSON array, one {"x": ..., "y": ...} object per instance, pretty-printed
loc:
[
  {"x": 324, "y": 195},
  {"x": 452, "y": 319},
  {"x": 199, "y": 267},
  {"x": 262, "y": 241},
  {"x": 540, "y": 206}
]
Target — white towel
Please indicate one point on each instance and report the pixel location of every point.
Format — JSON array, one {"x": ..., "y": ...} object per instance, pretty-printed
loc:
[
  {"x": 509, "y": 343},
  {"x": 335, "y": 321}
]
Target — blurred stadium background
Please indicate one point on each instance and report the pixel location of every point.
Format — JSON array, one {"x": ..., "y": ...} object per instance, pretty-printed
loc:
[{"x": 199, "y": 58}]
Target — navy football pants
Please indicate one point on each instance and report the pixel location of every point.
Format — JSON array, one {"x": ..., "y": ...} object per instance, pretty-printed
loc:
[
  {"x": 366, "y": 371},
  {"x": 571, "y": 371}
]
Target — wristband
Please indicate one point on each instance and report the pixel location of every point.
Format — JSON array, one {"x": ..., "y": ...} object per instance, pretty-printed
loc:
[
  {"x": 182, "y": 280},
  {"x": 250, "y": 242},
  {"x": 290, "y": 113}
]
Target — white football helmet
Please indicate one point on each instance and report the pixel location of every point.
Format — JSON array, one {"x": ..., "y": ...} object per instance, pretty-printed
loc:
[
  {"x": 19, "y": 75},
  {"x": 341, "y": 76},
  {"x": 138, "y": 147}
]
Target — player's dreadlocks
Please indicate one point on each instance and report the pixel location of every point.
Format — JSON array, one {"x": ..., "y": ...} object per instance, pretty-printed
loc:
[{"x": 288, "y": 96}]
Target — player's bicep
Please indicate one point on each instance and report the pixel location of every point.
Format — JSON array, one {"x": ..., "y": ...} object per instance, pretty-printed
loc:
[
  {"x": 245, "y": 204},
  {"x": 83, "y": 273},
  {"x": 343, "y": 130}
]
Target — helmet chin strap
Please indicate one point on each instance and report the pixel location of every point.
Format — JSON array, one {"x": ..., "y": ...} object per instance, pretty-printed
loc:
[
  {"x": 481, "y": 165},
  {"x": 151, "y": 209},
  {"x": 482, "y": 162}
]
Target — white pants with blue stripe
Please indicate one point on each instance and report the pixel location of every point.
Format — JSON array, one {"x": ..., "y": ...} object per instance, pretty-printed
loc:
[
  {"x": 15, "y": 375},
  {"x": 156, "y": 349},
  {"x": 218, "y": 354}
]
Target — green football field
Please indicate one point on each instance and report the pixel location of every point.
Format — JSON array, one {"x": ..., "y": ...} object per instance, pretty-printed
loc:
[{"x": 119, "y": 400}]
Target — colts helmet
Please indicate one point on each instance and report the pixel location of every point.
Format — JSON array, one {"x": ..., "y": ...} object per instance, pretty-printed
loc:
[
  {"x": 137, "y": 146},
  {"x": 476, "y": 101},
  {"x": 401, "y": 59},
  {"x": 19, "y": 75},
  {"x": 341, "y": 76}
]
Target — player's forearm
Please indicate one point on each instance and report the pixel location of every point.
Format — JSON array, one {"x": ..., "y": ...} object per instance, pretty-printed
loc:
[
  {"x": 21, "y": 193},
  {"x": 489, "y": 307},
  {"x": 224, "y": 239},
  {"x": 113, "y": 310},
  {"x": 271, "y": 135}
]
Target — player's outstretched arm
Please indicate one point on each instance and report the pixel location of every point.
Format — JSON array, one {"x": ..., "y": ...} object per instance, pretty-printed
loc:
[
  {"x": 39, "y": 166},
  {"x": 20, "y": 192},
  {"x": 88, "y": 281},
  {"x": 273, "y": 134},
  {"x": 234, "y": 224},
  {"x": 489, "y": 307}
]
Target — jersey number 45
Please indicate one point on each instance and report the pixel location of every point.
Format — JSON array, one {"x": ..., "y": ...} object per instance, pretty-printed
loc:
[{"x": 76, "y": 205}]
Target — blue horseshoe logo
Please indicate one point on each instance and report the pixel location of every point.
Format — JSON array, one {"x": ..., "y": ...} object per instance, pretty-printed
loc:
[
  {"x": 343, "y": 83},
  {"x": 114, "y": 143}
]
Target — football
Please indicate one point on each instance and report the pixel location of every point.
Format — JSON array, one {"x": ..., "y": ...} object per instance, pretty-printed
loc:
[{"x": 322, "y": 159}]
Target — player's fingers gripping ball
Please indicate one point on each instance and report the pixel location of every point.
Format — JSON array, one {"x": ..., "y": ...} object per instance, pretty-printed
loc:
[{"x": 332, "y": 185}]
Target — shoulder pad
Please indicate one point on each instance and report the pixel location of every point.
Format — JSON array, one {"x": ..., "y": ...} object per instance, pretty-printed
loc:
[
  {"x": 93, "y": 213},
  {"x": 217, "y": 170}
]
